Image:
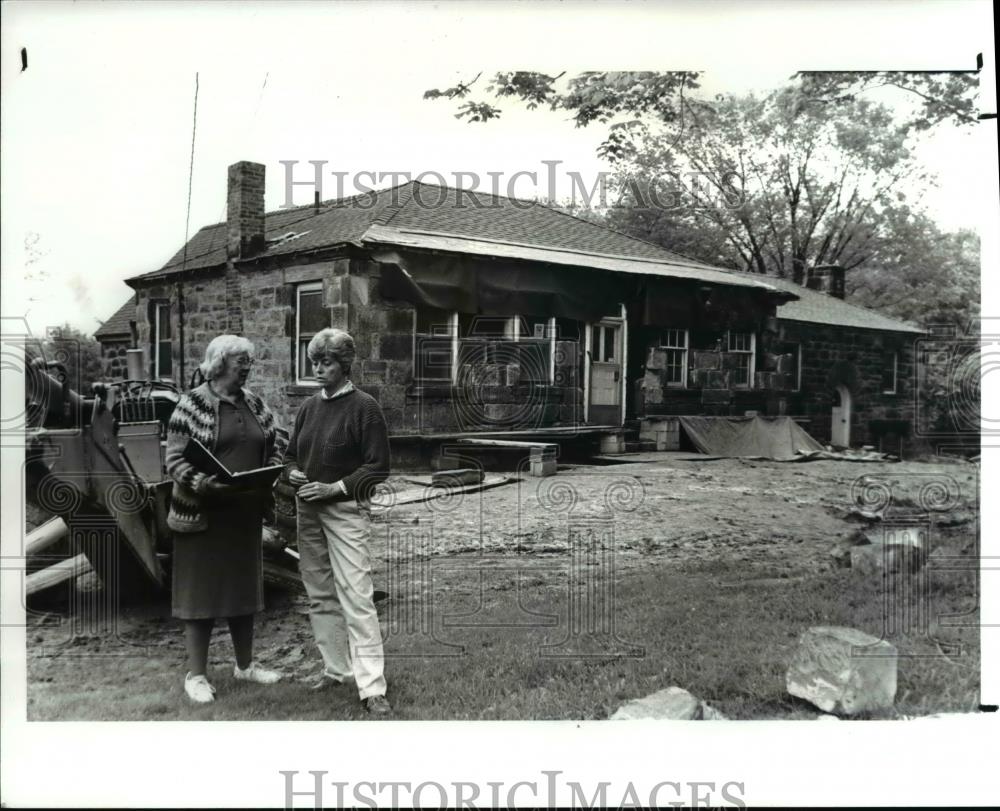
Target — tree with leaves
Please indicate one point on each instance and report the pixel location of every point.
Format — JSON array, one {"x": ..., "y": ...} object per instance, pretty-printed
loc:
[
  {"x": 809, "y": 174},
  {"x": 77, "y": 352}
]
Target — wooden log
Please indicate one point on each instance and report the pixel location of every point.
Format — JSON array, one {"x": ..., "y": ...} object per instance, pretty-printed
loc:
[
  {"x": 48, "y": 534},
  {"x": 61, "y": 572}
]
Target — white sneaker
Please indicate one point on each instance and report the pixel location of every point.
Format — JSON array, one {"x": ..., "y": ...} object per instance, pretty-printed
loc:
[
  {"x": 198, "y": 689},
  {"x": 256, "y": 673}
]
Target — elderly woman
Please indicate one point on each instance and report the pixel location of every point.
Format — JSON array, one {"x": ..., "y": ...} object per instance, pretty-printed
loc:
[
  {"x": 338, "y": 452},
  {"x": 217, "y": 527}
]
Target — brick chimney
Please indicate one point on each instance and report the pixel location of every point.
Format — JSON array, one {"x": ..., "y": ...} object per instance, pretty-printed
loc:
[
  {"x": 245, "y": 209},
  {"x": 826, "y": 279}
]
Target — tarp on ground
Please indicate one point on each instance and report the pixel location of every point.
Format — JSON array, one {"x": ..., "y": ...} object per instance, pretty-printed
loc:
[{"x": 778, "y": 438}]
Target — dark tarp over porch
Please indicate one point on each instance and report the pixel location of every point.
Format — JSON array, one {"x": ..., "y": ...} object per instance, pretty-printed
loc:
[{"x": 502, "y": 287}]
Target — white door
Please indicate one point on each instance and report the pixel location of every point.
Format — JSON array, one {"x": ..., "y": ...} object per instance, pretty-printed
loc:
[
  {"x": 840, "y": 427},
  {"x": 605, "y": 354}
]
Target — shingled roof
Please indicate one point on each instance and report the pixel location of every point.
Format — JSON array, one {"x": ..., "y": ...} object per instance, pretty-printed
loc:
[
  {"x": 118, "y": 325},
  {"x": 420, "y": 207},
  {"x": 424, "y": 215},
  {"x": 816, "y": 307}
]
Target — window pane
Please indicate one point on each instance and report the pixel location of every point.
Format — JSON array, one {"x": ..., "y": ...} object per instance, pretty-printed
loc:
[
  {"x": 305, "y": 365},
  {"x": 674, "y": 337},
  {"x": 609, "y": 343},
  {"x": 739, "y": 341},
  {"x": 889, "y": 372},
  {"x": 595, "y": 337},
  {"x": 741, "y": 375},
  {"x": 164, "y": 367},
  {"x": 163, "y": 322},
  {"x": 313, "y": 316},
  {"x": 675, "y": 366}
]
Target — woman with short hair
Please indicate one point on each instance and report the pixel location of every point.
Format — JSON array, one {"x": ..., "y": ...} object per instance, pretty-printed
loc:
[
  {"x": 338, "y": 452},
  {"x": 217, "y": 559}
]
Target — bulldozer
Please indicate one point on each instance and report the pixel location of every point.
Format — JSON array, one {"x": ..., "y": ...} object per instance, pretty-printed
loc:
[{"x": 96, "y": 466}]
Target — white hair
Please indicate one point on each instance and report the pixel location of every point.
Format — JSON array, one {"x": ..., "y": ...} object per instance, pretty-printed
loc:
[
  {"x": 335, "y": 342},
  {"x": 219, "y": 349}
]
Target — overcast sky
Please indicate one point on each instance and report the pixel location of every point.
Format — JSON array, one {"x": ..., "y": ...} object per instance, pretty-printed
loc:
[{"x": 97, "y": 131}]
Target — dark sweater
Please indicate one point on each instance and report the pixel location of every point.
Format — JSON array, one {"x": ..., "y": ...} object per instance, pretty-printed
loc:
[{"x": 343, "y": 439}]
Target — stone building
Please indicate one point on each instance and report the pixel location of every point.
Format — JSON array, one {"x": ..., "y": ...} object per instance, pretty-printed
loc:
[
  {"x": 115, "y": 336},
  {"x": 480, "y": 313}
]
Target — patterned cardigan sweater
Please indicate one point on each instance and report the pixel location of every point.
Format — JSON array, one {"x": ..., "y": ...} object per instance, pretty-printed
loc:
[{"x": 197, "y": 415}]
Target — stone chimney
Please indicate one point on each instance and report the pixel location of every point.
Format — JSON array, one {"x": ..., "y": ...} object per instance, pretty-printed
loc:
[
  {"x": 826, "y": 279},
  {"x": 245, "y": 209}
]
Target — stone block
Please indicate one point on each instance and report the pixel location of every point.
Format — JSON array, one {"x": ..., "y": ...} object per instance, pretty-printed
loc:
[
  {"x": 374, "y": 372},
  {"x": 716, "y": 380},
  {"x": 764, "y": 380},
  {"x": 567, "y": 355},
  {"x": 566, "y": 376},
  {"x": 612, "y": 444},
  {"x": 672, "y": 704},
  {"x": 545, "y": 466},
  {"x": 396, "y": 346},
  {"x": 398, "y": 320},
  {"x": 716, "y": 396},
  {"x": 706, "y": 359},
  {"x": 656, "y": 359},
  {"x": 785, "y": 364},
  {"x": 843, "y": 670},
  {"x": 392, "y": 397}
]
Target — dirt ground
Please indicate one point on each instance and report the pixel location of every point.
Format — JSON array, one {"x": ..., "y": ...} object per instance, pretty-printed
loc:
[{"x": 656, "y": 512}]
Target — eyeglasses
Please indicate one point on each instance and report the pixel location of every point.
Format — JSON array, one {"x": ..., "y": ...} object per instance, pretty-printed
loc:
[{"x": 243, "y": 362}]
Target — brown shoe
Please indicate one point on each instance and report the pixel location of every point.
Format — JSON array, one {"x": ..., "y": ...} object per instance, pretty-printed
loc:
[{"x": 378, "y": 705}]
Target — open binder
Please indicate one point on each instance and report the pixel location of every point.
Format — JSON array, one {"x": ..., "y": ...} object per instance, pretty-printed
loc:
[{"x": 203, "y": 459}]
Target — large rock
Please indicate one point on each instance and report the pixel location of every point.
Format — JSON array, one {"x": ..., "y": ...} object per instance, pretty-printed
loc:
[
  {"x": 885, "y": 558},
  {"x": 843, "y": 670},
  {"x": 672, "y": 704}
]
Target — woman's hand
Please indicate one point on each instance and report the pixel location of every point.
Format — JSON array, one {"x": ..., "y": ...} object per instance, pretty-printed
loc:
[
  {"x": 213, "y": 487},
  {"x": 318, "y": 491},
  {"x": 297, "y": 478}
]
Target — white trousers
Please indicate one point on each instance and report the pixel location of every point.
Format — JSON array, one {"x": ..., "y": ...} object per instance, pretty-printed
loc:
[{"x": 333, "y": 539}]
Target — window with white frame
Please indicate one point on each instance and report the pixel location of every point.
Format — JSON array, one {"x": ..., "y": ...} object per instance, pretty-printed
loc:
[
  {"x": 310, "y": 317},
  {"x": 743, "y": 345},
  {"x": 675, "y": 343},
  {"x": 433, "y": 344},
  {"x": 162, "y": 342},
  {"x": 890, "y": 372},
  {"x": 797, "y": 369}
]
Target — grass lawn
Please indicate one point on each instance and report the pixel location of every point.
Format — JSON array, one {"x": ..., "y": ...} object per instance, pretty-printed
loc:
[{"x": 726, "y": 632}]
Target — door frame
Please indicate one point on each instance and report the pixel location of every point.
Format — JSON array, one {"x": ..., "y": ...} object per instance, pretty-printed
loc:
[
  {"x": 844, "y": 411},
  {"x": 620, "y": 321}
]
